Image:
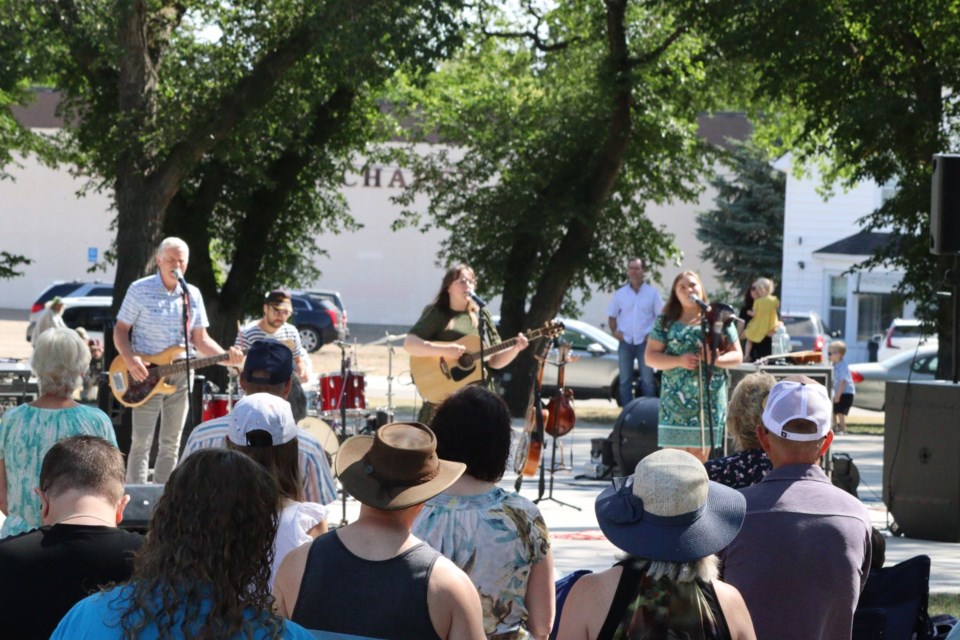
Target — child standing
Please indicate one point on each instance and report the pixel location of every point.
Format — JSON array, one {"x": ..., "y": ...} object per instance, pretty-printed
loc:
[
  {"x": 843, "y": 389},
  {"x": 763, "y": 320}
]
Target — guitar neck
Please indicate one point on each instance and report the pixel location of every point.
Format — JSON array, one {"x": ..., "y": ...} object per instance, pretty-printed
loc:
[
  {"x": 506, "y": 344},
  {"x": 180, "y": 366}
]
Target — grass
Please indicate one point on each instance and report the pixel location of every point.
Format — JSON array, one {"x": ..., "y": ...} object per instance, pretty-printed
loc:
[{"x": 944, "y": 603}]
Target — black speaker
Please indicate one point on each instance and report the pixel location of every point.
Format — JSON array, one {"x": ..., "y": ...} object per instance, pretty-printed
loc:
[
  {"x": 143, "y": 500},
  {"x": 635, "y": 434},
  {"x": 845, "y": 473},
  {"x": 945, "y": 205},
  {"x": 921, "y": 459}
]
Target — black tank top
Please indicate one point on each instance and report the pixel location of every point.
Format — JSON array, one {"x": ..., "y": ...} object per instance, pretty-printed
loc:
[
  {"x": 386, "y": 599},
  {"x": 635, "y": 591}
]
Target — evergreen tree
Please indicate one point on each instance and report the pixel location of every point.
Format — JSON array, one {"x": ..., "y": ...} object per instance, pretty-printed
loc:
[{"x": 743, "y": 235}]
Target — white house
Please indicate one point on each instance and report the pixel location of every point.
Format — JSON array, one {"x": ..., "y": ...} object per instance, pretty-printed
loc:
[{"x": 822, "y": 241}]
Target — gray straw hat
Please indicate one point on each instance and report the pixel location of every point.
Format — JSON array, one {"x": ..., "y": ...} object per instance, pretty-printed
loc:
[{"x": 669, "y": 510}]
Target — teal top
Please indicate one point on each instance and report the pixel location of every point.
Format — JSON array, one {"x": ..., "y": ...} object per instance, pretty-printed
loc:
[
  {"x": 683, "y": 390},
  {"x": 26, "y": 434}
]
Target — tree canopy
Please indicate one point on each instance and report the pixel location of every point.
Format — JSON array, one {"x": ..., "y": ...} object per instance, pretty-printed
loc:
[
  {"x": 867, "y": 91},
  {"x": 229, "y": 124},
  {"x": 564, "y": 123}
]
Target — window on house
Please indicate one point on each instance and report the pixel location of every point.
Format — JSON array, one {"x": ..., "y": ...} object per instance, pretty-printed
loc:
[
  {"x": 875, "y": 312},
  {"x": 837, "y": 308}
]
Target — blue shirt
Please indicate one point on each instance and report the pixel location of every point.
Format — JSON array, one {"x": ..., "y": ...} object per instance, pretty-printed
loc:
[
  {"x": 156, "y": 314},
  {"x": 841, "y": 371},
  {"x": 98, "y": 618}
]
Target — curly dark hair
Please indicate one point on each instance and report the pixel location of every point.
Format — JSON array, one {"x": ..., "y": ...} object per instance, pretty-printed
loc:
[
  {"x": 210, "y": 541},
  {"x": 473, "y": 427}
]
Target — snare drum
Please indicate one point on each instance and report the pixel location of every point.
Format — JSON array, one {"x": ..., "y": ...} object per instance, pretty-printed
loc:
[
  {"x": 333, "y": 391},
  {"x": 217, "y": 405}
]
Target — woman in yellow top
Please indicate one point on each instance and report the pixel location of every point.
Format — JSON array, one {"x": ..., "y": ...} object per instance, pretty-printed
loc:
[{"x": 763, "y": 320}]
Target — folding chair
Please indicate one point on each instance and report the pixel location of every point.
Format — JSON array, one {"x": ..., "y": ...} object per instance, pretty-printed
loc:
[{"x": 893, "y": 605}]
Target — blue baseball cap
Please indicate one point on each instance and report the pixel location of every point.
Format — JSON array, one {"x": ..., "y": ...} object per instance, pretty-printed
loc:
[{"x": 268, "y": 362}]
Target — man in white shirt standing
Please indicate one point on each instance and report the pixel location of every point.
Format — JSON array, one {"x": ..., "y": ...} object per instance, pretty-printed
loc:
[{"x": 631, "y": 314}]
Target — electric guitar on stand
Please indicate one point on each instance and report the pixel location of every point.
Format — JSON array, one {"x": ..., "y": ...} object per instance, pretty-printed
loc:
[{"x": 438, "y": 377}]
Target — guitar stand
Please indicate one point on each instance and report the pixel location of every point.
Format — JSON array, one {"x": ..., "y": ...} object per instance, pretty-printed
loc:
[{"x": 553, "y": 469}]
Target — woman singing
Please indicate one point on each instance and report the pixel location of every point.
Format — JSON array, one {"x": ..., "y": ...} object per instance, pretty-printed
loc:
[
  {"x": 675, "y": 348},
  {"x": 453, "y": 315}
]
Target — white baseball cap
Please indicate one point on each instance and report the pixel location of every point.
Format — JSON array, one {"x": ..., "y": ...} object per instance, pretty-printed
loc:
[
  {"x": 263, "y": 412},
  {"x": 790, "y": 400}
]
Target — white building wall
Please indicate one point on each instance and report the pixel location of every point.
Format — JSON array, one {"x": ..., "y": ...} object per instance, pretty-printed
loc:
[{"x": 385, "y": 277}]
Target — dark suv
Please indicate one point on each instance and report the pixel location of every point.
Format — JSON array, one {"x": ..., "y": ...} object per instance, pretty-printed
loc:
[
  {"x": 317, "y": 318},
  {"x": 807, "y": 331}
]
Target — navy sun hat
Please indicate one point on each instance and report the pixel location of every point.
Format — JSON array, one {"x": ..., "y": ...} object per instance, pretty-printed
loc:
[{"x": 670, "y": 510}]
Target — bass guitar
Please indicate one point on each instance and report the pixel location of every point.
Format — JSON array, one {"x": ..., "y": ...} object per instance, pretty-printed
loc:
[
  {"x": 438, "y": 377},
  {"x": 131, "y": 393}
]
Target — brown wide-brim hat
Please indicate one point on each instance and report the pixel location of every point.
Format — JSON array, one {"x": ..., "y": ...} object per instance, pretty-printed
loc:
[{"x": 395, "y": 468}]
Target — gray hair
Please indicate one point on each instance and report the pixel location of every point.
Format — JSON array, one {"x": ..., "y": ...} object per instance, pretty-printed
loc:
[
  {"x": 170, "y": 243},
  {"x": 60, "y": 359}
]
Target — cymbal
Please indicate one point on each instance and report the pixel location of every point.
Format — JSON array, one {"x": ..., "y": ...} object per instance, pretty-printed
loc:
[{"x": 388, "y": 338}]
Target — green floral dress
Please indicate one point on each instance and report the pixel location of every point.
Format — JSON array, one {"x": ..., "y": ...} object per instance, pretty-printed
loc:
[
  {"x": 496, "y": 538},
  {"x": 680, "y": 390}
]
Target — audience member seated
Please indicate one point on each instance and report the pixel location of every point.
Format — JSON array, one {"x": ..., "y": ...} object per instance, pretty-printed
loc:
[
  {"x": 670, "y": 519},
  {"x": 750, "y": 464},
  {"x": 804, "y": 541},
  {"x": 60, "y": 359},
  {"x": 372, "y": 578},
  {"x": 79, "y": 548},
  {"x": 498, "y": 538},
  {"x": 204, "y": 569},
  {"x": 268, "y": 368},
  {"x": 262, "y": 427}
]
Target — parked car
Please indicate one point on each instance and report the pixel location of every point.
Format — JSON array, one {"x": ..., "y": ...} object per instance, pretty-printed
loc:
[
  {"x": 66, "y": 290},
  {"x": 870, "y": 378},
  {"x": 807, "y": 331},
  {"x": 596, "y": 372},
  {"x": 903, "y": 335},
  {"x": 90, "y": 312},
  {"x": 317, "y": 318}
]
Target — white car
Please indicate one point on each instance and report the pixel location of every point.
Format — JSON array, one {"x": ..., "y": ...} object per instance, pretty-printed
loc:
[
  {"x": 90, "y": 312},
  {"x": 870, "y": 378},
  {"x": 902, "y": 336}
]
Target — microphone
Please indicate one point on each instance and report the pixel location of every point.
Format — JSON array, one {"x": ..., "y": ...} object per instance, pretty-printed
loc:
[
  {"x": 700, "y": 303},
  {"x": 480, "y": 301},
  {"x": 183, "y": 283}
]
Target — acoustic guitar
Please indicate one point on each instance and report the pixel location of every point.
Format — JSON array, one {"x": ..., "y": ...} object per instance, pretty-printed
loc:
[
  {"x": 131, "y": 393},
  {"x": 527, "y": 456},
  {"x": 438, "y": 377}
]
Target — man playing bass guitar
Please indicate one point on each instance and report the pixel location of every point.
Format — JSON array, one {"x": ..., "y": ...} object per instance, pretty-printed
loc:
[
  {"x": 150, "y": 321},
  {"x": 454, "y": 315}
]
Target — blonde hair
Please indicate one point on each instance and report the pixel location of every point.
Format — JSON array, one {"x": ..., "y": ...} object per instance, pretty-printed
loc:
[
  {"x": 840, "y": 345},
  {"x": 765, "y": 284},
  {"x": 745, "y": 411},
  {"x": 60, "y": 359}
]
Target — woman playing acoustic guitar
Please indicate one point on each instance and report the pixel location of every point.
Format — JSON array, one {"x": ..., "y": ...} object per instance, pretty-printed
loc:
[{"x": 452, "y": 316}]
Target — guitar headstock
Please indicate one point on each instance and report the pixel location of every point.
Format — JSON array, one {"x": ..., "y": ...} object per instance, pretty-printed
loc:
[{"x": 549, "y": 330}]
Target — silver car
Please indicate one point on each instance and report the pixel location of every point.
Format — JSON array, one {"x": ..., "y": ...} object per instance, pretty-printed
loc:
[
  {"x": 870, "y": 378},
  {"x": 596, "y": 372}
]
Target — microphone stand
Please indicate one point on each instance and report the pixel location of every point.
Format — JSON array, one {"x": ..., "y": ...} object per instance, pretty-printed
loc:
[
  {"x": 343, "y": 419},
  {"x": 482, "y": 323},
  {"x": 708, "y": 375},
  {"x": 186, "y": 342}
]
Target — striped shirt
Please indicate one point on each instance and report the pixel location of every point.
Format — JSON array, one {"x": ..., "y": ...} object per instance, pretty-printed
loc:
[
  {"x": 156, "y": 314},
  {"x": 318, "y": 483},
  {"x": 287, "y": 333}
]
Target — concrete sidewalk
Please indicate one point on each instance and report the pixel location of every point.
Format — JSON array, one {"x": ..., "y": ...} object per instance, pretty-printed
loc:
[{"x": 578, "y": 543}]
